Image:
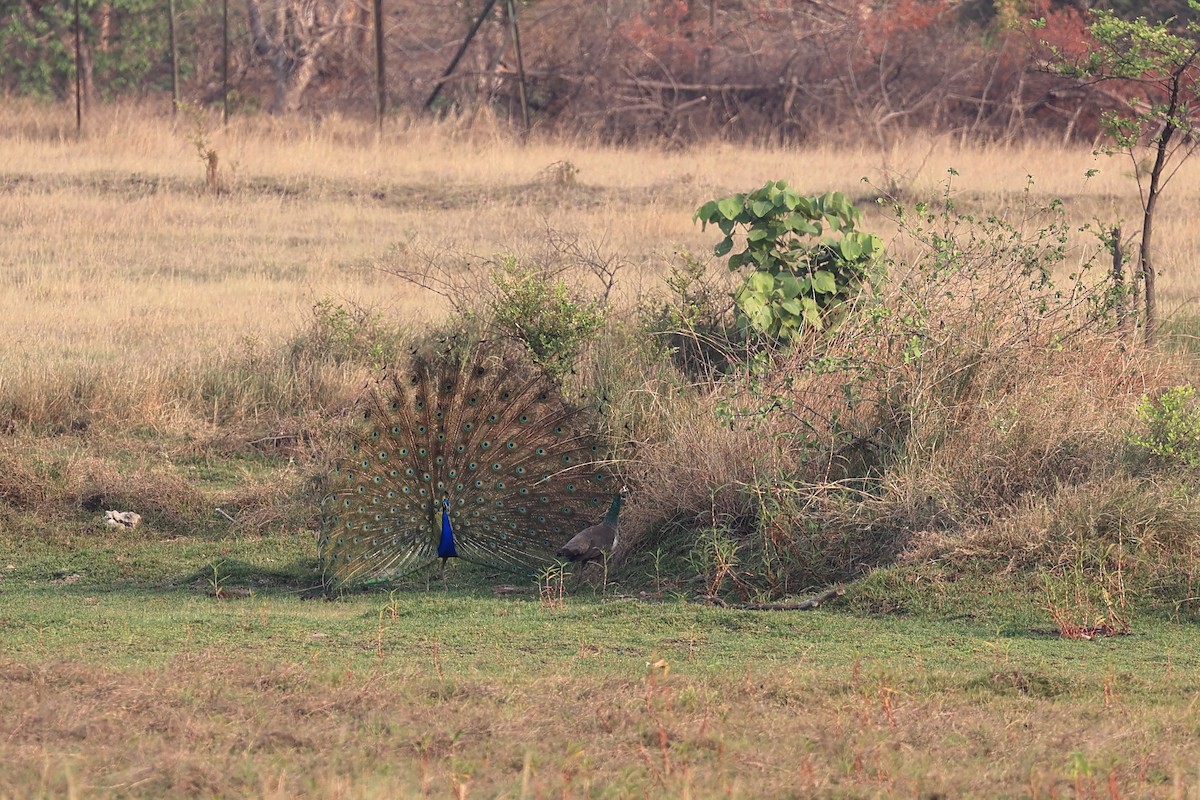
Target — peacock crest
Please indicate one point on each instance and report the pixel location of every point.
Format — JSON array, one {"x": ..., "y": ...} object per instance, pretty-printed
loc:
[{"x": 476, "y": 456}]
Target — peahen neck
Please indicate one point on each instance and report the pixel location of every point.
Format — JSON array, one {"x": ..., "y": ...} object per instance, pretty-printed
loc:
[{"x": 613, "y": 511}]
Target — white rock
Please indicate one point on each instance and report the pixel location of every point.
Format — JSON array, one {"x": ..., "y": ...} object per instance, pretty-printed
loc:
[{"x": 122, "y": 519}]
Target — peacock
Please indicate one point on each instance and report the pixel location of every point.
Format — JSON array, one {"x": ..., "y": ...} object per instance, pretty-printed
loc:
[{"x": 475, "y": 456}]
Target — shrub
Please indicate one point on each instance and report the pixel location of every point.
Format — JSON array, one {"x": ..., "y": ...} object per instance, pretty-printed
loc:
[
  {"x": 798, "y": 277},
  {"x": 979, "y": 379},
  {"x": 341, "y": 333},
  {"x": 538, "y": 309},
  {"x": 1170, "y": 427},
  {"x": 695, "y": 324}
]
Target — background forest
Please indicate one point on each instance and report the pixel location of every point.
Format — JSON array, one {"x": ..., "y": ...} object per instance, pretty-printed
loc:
[{"x": 620, "y": 70}]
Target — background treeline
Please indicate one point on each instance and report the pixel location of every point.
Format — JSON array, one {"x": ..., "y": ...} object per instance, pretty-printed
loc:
[{"x": 621, "y": 70}]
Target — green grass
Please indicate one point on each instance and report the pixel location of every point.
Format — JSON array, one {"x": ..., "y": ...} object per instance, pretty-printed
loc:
[{"x": 131, "y": 680}]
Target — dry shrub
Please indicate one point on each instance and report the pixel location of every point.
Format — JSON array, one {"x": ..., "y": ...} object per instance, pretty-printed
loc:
[
  {"x": 174, "y": 485},
  {"x": 1027, "y": 421},
  {"x": 44, "y": 475},
  {"x": 25, "y": 482},
  {"x": 697, "y": 469},
  {"x": 1155, "y": 525},
  {"x": 977, "y": 380},
  {"x": 154, "y": 488},
  {"x": 994, "y": 379},
  {"x": 1090, "y": 552}
]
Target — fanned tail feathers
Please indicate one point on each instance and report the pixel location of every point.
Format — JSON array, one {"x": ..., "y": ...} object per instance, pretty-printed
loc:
[{"x": 519, "y": 469}]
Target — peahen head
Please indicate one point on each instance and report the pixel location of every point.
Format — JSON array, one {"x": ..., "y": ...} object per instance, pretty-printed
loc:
[{"x": 614, "y": 509}]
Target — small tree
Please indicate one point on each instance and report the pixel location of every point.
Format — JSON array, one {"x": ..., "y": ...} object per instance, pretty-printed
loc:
[
  {"x": 797, "y": 277},
  {"x": 1162, "y": 60}
]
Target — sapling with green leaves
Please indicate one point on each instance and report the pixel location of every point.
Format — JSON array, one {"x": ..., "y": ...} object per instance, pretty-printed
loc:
[
  {"x": 1161, "y": 60},
  {"x": 805, "y": 257}
]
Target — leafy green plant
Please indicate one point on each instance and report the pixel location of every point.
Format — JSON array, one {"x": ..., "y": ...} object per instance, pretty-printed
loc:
[
  {"x": 216, "y": 581},
  {"x": 343, "y": 334},
  {"x": 540, "y": 311},
  {"x": 1170, "y": 426},
  {"x": 799, "y": 277},
  {"x": 552, "y": 592}
]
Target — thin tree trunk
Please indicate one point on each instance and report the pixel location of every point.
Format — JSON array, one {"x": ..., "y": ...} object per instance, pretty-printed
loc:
[
  {"x": 1162, "y": 148},
  {"x": 1146, "y": 267},
  {"x": 1120, "y": 299},
  {"x": 380, "y": 71},
  {"x": 78, "y": 71},
  {"x": 174, "y": 58}
]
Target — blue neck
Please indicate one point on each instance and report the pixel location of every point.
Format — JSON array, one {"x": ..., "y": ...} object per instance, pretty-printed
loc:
[
  {"x": 611, "y": 517},
  {"x": 446, "y": 544}
]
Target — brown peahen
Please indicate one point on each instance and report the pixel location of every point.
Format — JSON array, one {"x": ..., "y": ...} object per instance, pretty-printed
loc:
[
  {"x": 475, "y": 457},
  {"x": 596, "y": 542}
]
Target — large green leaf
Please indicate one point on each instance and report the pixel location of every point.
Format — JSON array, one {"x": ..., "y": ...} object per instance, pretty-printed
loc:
[
  {"x": 730, "y": 207},
  {"x": 812, "y": 314},
  {"x": 790, "y": 286},
  {"x": 762, "y": 208},
  {"x": 802, "y": 225},
  {"x": 851, "y": 249},
  {"x": 706, "y": 213},
  {"x": 760, "y": 283},
  {"x": 824, "y": 282},
  {"x": 723, "y": 246}
]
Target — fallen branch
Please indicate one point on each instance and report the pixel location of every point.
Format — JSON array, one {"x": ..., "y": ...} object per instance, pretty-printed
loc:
[{"x": 782, "y": 605}]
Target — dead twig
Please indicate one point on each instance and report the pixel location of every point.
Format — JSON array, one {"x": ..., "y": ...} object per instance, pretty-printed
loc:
[{"x": 781, "y": 605}]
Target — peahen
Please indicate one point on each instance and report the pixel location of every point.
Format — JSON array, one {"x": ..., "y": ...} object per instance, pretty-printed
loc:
[
  {"x": 475, "y": 457},
  {"x": 596, "y": 542}
]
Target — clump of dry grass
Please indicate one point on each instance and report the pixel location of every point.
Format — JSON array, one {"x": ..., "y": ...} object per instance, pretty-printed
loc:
[
  {"x": 1027, "y": 421},
  {"x": 175, "y": 484},
  {"x": 971, "y": 385}
]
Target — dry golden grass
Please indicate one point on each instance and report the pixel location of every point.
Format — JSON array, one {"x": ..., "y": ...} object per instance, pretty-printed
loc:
[
  {"x": 118, "y": 260},
  {"x": 133, "y": 292}
]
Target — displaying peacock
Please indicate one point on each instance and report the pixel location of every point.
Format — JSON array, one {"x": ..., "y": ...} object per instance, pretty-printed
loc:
[{"x": 476, "y": 457}]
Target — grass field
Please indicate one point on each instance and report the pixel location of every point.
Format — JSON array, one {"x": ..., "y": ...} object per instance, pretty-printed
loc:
[
  {"x": 145, "y": 690},
  {"x": 154, "y": 336}
]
